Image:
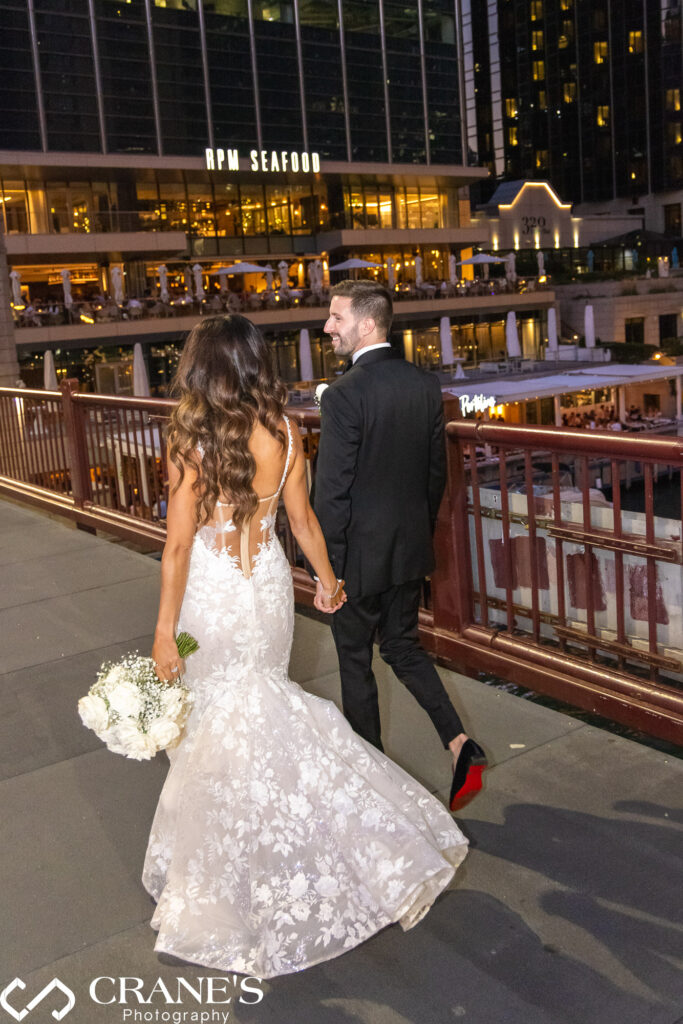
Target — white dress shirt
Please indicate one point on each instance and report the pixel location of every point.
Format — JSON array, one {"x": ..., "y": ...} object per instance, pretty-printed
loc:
[{"x": 370, "y": 348}]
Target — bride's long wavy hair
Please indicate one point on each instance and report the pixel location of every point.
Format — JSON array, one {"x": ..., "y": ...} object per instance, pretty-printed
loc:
[{"x": 225, "y": 383}]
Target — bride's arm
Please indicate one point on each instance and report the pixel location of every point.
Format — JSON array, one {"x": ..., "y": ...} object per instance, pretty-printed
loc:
[
  {"x": 181, "y": 524},
  {"x": 304, "y": 523}
]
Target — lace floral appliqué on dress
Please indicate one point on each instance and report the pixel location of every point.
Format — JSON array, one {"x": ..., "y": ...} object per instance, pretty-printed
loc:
[{"x": 281, "y": 838}]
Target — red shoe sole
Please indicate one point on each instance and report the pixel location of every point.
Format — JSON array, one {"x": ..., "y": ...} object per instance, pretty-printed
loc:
[{"x": 470, "y": 787}]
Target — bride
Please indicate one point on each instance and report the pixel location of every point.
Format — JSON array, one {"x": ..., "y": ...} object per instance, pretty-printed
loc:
[{"x": 281, "y": 838}]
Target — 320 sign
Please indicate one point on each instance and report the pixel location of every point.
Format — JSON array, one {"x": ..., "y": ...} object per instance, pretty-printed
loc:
[{"x": 533, "y": 224}]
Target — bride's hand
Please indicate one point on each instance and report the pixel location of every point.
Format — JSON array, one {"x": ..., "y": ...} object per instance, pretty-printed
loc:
[
  {"x": 168, "y": 664},
  {"x": 327, "y": 603}
]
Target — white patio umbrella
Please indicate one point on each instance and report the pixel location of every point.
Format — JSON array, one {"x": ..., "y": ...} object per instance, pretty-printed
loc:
[
  {"x": 268, "y": 270},
  {"x": 283, "y": 271},
  {"x": 540, "y": 259},
  {"x": 49, "y": 372},
  {"x": 317, "y": 268},
  {"x": 239, "y": 268},
  {"x": 312, "y": 274},
  {"x": 480, "y": 258},
  {"x": 418, "y": 271},
  {"x": 511, "y": 337},
  {"x": 459, "y": 373},
  {"x": 187, "y": 275},
  {"x": 552, "y": 330},
  {"x": 15, "y": 278},
  {"x": 452, "y": 272},
  {"x": 163, "y": 283},
  {"x": 355, "y": 264},
  {"x": 198, "y": 283},
  {"x": 117, "y": 285},
  {"x": 305, "y": 357},
  {"x": 511, "y": 267},
  {"x": 391, "y": 274},
  {"x": 140, "y": 378},
  {"x": 66, "y": 285},
  {"x": 589, "y": 327},
  {"x": 447, "y": 356}
]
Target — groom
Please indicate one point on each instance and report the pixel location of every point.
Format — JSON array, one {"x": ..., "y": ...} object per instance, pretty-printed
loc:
[{"x": 380, "y": 477}]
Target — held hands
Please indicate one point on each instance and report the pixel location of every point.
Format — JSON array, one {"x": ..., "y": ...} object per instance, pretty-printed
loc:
[
  {"x": 168, "y": 664},
  {"x": 329, "y": 601}
]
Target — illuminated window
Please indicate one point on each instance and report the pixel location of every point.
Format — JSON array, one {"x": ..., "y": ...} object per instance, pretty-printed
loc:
[
  {"x": 635, "y": 41},
  {"x": 512, "y": 135},
  {"x": 541, "y": 159},
  {"x": 537, "y": 40},
  {"x": 536, "y": 10},
  {"x": 603, "y": 116},
  {"x": 542, "y": 100},
  {"x": 569, "y": 92},
  {"x": 511, "y": 108},
  {"x": 538, "y": 70},
  {"x": 566, "y": 5},
  {"x": 566, "y": 35},
  {"x": 600, "y": 52},
  {"x": 673, "y": 99},
  {"x": 673, "y": 133}
]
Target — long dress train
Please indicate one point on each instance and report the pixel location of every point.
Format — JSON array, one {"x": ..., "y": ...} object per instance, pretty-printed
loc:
[{"x": 281, "y": 838}]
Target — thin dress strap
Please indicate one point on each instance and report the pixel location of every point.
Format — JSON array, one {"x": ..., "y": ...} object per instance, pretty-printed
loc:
[{"x": 289, "y": 455}]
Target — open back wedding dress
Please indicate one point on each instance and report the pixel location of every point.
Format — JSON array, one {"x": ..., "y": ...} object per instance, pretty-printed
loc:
[{"x": 281, "y": 838}]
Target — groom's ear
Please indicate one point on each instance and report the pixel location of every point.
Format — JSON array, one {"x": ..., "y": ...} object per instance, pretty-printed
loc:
[{"x": 367, "y": 326}]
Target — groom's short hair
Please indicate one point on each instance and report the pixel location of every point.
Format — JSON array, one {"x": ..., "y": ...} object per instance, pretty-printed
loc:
[{"x": 368, "y": 299}]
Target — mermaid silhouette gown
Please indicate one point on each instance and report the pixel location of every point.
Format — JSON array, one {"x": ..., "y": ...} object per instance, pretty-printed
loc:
[{"x": 281, "y": 838}]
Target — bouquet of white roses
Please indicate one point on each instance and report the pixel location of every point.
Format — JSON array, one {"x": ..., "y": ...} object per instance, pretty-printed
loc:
[{"x": 131, "y": 710}]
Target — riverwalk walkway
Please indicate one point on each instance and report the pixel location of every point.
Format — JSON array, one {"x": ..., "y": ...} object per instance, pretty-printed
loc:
[{"x": 568, "y": 909}]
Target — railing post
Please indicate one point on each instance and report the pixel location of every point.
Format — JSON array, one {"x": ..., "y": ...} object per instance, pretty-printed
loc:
[
  {"x": 452, "y": 600},
  {"x": 76, "y": 444}
]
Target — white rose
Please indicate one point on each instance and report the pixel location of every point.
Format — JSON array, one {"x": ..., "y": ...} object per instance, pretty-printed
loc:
[
  {"x": 125, "y": 700},
  {"x": 319, "y": 392},
  {"x": 163, "y": 732},
  {"x": 298, "y": 886},
  {"x": 135, "y": 744},
  {"x": 94, "y": 714}
]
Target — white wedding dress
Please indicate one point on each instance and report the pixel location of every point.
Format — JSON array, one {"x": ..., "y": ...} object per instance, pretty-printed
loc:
[{"x": 281, "y": 838}]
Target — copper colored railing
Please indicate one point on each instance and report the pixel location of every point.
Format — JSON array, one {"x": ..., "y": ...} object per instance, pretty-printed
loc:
[{"x": 542, "y": 578}]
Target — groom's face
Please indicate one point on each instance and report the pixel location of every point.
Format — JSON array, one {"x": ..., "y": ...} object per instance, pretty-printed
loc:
[{"x": 342, "y": 326}]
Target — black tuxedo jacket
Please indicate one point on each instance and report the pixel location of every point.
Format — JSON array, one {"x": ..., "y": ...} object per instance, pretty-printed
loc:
[{"x": 381, "y": 471}]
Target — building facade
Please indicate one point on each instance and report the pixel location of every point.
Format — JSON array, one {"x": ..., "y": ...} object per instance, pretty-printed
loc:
[
  {"x": 584, "y": 93},
  {"x": 147, "y": 145}
]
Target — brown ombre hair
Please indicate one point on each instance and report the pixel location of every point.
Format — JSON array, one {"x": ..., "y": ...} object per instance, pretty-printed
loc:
[{"x": 225, "y": 384}]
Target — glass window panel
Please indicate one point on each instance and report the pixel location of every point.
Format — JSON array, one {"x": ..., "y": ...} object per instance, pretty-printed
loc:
[
  {"x": 253, "y": 210},
  {"x": 386, "y": 216},
  {"x": 277, "y": 205},
  {"x": 413, "y": 208},
  {"x": 429, "y": 205}
]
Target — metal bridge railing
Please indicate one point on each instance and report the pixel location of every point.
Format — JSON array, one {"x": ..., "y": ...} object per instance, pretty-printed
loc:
[{"x": 545, "y": 575}]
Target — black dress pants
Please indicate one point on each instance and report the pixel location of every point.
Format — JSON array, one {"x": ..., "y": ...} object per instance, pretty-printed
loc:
[{"x": 393, "y": 615}]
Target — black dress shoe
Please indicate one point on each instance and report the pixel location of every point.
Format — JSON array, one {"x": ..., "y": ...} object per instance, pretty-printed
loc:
[{"x": 469, "y": 767}]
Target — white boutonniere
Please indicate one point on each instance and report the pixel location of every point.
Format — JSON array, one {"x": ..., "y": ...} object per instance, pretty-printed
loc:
[{"x": 319, "y": 393}]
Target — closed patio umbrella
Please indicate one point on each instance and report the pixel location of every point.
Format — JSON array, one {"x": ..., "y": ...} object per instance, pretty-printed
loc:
[
  {"x": 418, "y": 271},
  {"x": 283, "y": 271},
  {"x": 117, "y": 285},
  {"x": 540, "y": 260},
  {"x": 305, "y": 357},
  {"x": 187, "y": 275},
  {"x": 140, "y": 378},
  {"x": 268, "y": 270},
  {"x": 589, "y": 327},
  {"x": 391, "y": 274},
  {"x": 163, "y": 283},
  {"x": 66, "y": 285},
  {"x": 552, "y": 330},
  {"x": 452, "y": 272},
  {"x": 15, "y": 278},
  {"x": 446, "y": 339},
  {"x": 512, "y": 345},
  {"x": 198, "y": 283},
  {"x": 511, "y": 267},
  {"x": 49, "y": 372}
]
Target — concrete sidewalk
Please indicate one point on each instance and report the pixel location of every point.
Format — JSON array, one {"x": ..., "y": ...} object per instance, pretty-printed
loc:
[{"x": 569, "y": 907}]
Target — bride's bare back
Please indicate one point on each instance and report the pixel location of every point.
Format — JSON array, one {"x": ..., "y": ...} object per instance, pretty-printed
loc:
[{"x": 242, "y": 544}]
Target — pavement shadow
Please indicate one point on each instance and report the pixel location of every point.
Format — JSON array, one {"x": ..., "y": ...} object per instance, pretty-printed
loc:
[{"x": 613, "y": 878}]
